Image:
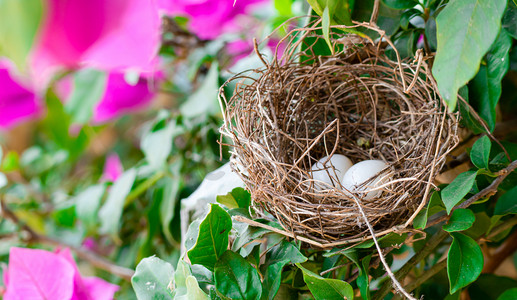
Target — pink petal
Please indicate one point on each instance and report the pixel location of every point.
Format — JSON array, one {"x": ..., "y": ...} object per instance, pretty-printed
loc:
[
  {"x": 112, "y": 169},
  {"x": 38, "y": 274},
  {"x": 208, "y": 18},
  {"x": 88, "y": 288},
  {"x": 100, "y": 289},
  {"x": 17, "y": 102},
  {"x": 120, "y": 98},
  {"x": 109, "y": 35}
]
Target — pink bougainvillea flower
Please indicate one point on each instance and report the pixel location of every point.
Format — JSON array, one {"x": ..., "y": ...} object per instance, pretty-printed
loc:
[
  {"x": 120, "y": 98},
  {"x": 208, "y": 18},
  {"x": 112, "y": 168},
  {"x": 86, "y": 288},
  {"x": 40, "y": 274},
  {"x": 17, "y": 101},
  {"x": 108, "y": 35}
]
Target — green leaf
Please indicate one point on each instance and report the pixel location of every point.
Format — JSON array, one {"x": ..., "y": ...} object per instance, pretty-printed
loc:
[
  {"x": 465, "y": 31},
  {"x": 464, "y": 261},
  {"x": 87, "y": 205},
  {"x": 111, "y": 211},
  {"x": 276, "y": 259},
  {"x": 507, "y": 203},
  {"x": 152, "y": 278},
  {"x": 237, "y": 198},
  {"x": 235, "y": 278},
  {"x": 89, "y": 87},
  {"x": 157, "y": 143},
  {"x": 203, "y": 102},
  {"x": 339, "y": 10},
  {"x": 480, "y": 152},
  {"x": 168, "y": 204},
  {"x": 325, "y": 25},
  {"x": 212, "y": 240},
  {"x": 11, "y": 162},
  {"x": 323, "y": 288},
  {"x": 19, "y": 22},
  {"x": 461, "y": 219},
  {"x": 456, "y": 190},
  {"x": 485, "y": 88},
  {"x": 186, "y": 286},
  {"x": 490, "y": 287},
  {"x": 400, "y": 4},
  {"x": 510, "y": 19},
  {"x": 435, "y": 205},
  {"x": 510, "y": 294},
  {"x": 283, "y": 7},
  {"x": 388, "y": 18}
]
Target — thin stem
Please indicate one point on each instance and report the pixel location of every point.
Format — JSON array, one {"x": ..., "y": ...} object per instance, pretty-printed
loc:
[
  {"x": 94, "y": 259},
  {"x": 429, "y": 247},
  {"x": 143, "y": 187}
]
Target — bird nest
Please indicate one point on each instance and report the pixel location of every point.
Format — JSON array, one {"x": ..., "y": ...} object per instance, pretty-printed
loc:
[{"x": 355, "y": 101}]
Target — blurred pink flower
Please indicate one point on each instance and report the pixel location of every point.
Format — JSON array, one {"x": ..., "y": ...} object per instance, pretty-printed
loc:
[
  {"x": 108, "y": 35},
  {"x": 118, "y": 98},
  {"x": 209, "y": 18},
  {"x": 40, "y": 274},
  {"x": 17, "y": 102},
  {"x": 121, "y": 98},
  {"x": 112, "y": 169}
]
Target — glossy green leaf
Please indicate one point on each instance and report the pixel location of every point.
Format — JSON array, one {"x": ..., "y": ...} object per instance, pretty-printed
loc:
[
  {"x": 466, "y": 30},
  {"x": 111, "y": 212},
  {"x": 464, "y": 261},
  {"x": 186, "y": 286},
  {"x": 325, "y": 26},
  {"x": 363, "y": 280},
  {"x": 485, "y": 88},
  {"x": 510, "y": 294},
  {"x": 456, "y": 190},
  {"x": 324, "y": 288},
  {"x": 212, "y": 240},
  {"x": 490, "y": 287},
  {"x": 507, "y": 203},
  {"x": 339, "y": 10},
  {"x": 510, "y": 19},
  {"x": 435, "y": 205},
  {"x": 461, "y": 219},
  {"x": 87, "y": 205},
  {"x": 400, "y": 4},
  {"x": 388, "y": 18},
  {"x": 152, "y": 278},
  {"x": 480, "y": 152},
  {"x": 203, "y": 102},
  {"x": 88, "y": 89},
  {"x": 279, "y": 256},
  {"x": 237, "y": 198},
  {"x": 235, "y": 278},
  {"x": 19, "y": 23}
]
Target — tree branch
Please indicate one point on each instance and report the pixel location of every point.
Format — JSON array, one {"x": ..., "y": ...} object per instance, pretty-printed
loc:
[
  {"x": 490, "y": 190},
  {"x": 506, "y": 249},
  {"x": 94, "y": 259}
]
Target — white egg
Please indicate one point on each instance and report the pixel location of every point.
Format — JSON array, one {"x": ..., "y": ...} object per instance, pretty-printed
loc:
[
  {"x": 362, "y": 172},
  {"x": 330, "y": 171}
]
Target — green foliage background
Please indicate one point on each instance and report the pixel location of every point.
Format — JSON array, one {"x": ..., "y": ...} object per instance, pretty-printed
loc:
[{"x": 136, "y": 221}]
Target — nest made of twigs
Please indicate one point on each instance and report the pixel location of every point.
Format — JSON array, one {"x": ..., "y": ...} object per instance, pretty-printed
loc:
[{"x": 357, "y": 102}]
